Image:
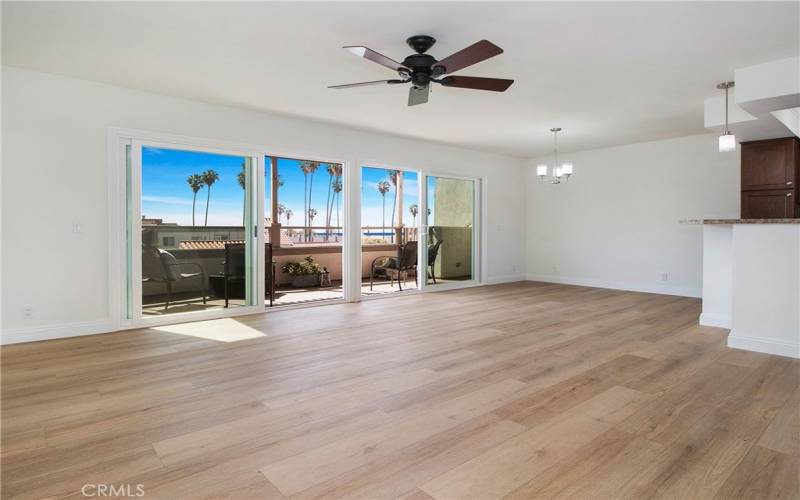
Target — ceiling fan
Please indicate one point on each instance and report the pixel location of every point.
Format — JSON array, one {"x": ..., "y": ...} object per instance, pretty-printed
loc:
[{"x": 421, "y": 69}]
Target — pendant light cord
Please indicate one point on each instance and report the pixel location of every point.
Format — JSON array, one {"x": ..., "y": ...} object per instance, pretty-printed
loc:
[
  {"x": 555, "y": 150},
  {"x": 727, "y": 132}
]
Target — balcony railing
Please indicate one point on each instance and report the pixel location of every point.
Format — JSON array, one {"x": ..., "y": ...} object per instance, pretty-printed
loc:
[
  {"x": 308, "y": 235},
  {"x": 323, "y": 243}
]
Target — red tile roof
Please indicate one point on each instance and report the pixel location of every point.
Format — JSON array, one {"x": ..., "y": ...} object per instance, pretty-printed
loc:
[
  {"x": 206, "y": 244},
  {"x": 286, "y": 241}
]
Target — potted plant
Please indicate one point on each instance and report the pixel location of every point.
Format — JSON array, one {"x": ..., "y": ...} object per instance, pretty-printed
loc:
[{"x": 304, "y": 273}]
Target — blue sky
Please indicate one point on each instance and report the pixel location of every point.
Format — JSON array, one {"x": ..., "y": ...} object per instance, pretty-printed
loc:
[
  {"x": 371, "y": 200},
  {"x": 166, "y": 194}
]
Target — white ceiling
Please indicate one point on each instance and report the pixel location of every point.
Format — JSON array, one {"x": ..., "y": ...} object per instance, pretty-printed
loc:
[{"x": 608, "y": 73}]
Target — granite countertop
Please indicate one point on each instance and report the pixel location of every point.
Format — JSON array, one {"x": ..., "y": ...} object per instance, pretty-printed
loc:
[{"x": 739, "y": 221}]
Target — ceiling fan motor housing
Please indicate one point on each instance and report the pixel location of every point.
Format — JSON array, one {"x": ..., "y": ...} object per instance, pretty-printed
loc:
[
  {"x": 420, "y": 43},
  {"x": 420, "y": 64}
]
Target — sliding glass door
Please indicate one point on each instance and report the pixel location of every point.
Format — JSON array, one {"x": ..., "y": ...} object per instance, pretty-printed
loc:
[
  {"x": 192, "y": 233},
  {"x": 305, "y": 230},
  {"x": 205, "y": 231},
  {"x": 450, "y": 230},
  {"x": 389, "y": 242}
]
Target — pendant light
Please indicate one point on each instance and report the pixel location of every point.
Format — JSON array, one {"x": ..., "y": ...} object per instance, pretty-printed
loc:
[
  {"x": 563, "y": 171},
  {"x": 727, "y": 141}
]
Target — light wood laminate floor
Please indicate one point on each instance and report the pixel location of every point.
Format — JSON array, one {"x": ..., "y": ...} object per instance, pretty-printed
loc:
[{"x": 524, "y": 390}]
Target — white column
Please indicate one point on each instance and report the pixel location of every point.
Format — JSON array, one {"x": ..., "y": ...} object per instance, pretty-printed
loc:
[
  {"x": 351, "y": 267},
  {"x": 717, "y": 275}
]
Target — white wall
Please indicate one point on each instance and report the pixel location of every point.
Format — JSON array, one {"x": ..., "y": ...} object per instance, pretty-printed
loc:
[
  {"x": 615, "y": 223},
  {"x": 765, "y": 288},
  {"x": 54, "y": 177}
]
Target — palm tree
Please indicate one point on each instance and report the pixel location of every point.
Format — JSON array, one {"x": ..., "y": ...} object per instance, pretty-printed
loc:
[
  {"x": 383, "y": 188},
  {"x": 196, "y": 184},
  {"x": 209, "y": 178},
  {"x": 308, "y": 167},
  {"x": 268, "y": 176},
  {"x": 281, "y": 210},
  {"x": 393, "y": 176},
  {"x": 288, "y": 213},
  {"x": 241, "y": 178},
  {"x": 312, "y": 212},
  {"x": 304, "y": 166},
  {"x": 334, "y": 172},
  {"x": 312, "y": 168},
  {"x": 337, "y": 189},
  {"x": 330, "y": 170},
  {"x": 414, "y": 209},
  {"x": 328, "y": 201}
]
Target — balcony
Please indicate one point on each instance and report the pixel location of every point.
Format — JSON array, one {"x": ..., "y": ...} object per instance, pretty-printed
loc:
[
  {"x": 184, "y": 265},
  {"x": 202, "y": 249}
]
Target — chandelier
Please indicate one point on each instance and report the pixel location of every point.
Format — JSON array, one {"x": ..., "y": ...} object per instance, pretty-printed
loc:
[{"x": 558, "y": 172}]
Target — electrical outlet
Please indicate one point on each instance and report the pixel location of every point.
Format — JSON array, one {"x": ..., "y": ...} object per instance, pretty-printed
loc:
[
  {"x": 27, "y": 312},
  {"x": 514, "y": 268},
  {"x": 664, "y": 276},
  {"x": 555, "y": 269}
]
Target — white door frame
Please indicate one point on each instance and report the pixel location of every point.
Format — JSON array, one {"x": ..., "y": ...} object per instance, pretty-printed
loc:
[
  {"x": 388, "y": 166},
  {"x": 118, "y": 139},
  {"x": 478, "y": 243},
  {"x": 349, "y": 204}
]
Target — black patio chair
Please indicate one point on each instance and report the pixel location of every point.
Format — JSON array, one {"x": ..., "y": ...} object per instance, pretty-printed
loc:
[
  {"x": 161, "y": 266},
  {"x": 396, "y": 268},
  {"x": 433, "y": 252},
  {"x": 269, "y": 273},
  {"x": 234, "y": 270}
]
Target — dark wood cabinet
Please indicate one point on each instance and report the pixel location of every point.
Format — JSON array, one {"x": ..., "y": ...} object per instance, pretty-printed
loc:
[
  {"x": 770, "y": 171},
  {"x": 769, "y": 204}
]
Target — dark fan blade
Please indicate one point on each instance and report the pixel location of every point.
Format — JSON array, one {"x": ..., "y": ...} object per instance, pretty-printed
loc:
[
  {"x": 475, "y": 53},
  {"x": 418, "y": 95},
  {"x": 475, "y": 82},
  {"x": 364, "y": 84},
  {"x": 375, "y": 57}
]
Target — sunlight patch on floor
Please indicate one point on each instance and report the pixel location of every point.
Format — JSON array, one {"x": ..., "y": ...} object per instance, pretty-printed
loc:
[{"x": 221, "y": 330}]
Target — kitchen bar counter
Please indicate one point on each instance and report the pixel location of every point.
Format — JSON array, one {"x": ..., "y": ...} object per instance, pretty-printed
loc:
[
  {"x": 738, "y": 221},
  {"x": 751, "y": 282}
]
